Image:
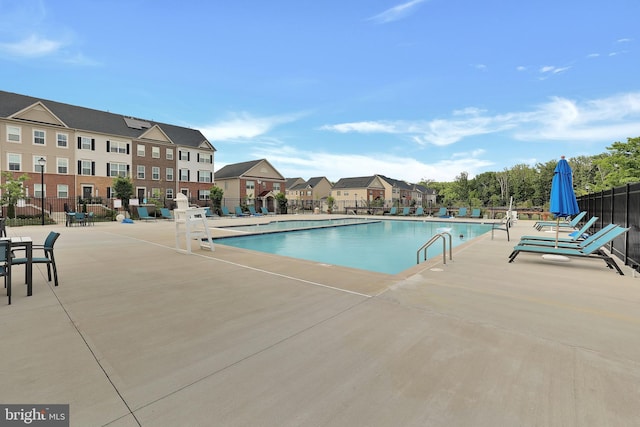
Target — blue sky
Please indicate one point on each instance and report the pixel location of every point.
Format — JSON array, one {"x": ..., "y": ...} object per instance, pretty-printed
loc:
[{"x": 418, "y": 89}]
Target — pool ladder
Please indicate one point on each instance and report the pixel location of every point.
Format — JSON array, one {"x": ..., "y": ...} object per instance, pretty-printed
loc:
[{"x": 431, "y": 241}]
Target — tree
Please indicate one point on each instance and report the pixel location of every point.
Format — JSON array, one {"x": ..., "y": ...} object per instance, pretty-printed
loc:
[
  {"x": 622, "y": 164},
  {"x": 281, "y": 199},
  {"x": 215, "y": 194},
  {"x": 12, "y": 191},
  {"x": 123, "y": 188}
]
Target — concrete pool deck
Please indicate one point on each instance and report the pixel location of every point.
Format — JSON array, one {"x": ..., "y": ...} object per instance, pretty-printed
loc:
[{"x": 138, "y": 334}]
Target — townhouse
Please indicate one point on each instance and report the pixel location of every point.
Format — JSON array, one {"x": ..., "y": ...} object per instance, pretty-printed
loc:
[
  {"x": 84, "y": 149},
  {"x": 254, "y": 183}
]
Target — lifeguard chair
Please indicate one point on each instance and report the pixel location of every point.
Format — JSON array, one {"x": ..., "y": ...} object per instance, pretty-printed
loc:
[{"x": 191, "y": 223}]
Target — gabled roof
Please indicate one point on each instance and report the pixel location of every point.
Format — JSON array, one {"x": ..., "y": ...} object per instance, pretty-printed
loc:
[
  {"x": 311, "y": 183},
  {"x": 403, "y": 185},
  {"x": 357, "y": 182},
  {"x": 95, "y": 121},
  {"x": 238, "y": 170},
  {"x": 292, "y": 182}
]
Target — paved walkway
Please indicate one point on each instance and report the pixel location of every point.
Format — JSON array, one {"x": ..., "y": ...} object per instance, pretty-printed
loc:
[{"x": 140, "y": 335}]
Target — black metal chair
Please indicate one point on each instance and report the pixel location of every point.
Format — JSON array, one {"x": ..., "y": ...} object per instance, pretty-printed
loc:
[
  {"x": 47, "y": 257},
  {"x": 5, "y": 265},
  {"x": 3, "y": 227}
]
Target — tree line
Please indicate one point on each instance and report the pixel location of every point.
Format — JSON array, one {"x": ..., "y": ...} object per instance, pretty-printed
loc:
[{"x": 530, "y": 186}]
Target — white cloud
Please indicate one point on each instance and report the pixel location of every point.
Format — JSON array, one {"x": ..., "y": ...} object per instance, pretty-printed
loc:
[
  {"x": 397, "y": 12},
  {"x": 559, "y": 119},
  {"x": 31, "y": 47},
  {"x": 244, "y": 126}
]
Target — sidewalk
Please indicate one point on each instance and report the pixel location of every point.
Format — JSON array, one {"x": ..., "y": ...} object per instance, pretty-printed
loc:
[{"x": 138, "y": 334}]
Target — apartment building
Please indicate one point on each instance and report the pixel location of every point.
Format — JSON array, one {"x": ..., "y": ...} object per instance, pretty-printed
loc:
[{"x": 84, "y": 149}]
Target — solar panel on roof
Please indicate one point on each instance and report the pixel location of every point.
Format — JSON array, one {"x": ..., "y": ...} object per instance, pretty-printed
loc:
[{"x": 136, "y": 124}]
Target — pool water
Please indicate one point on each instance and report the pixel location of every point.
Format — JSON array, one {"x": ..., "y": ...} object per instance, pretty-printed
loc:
[
  {"x": 385, "y": 246},
  {"x": 295, "y": 224}
]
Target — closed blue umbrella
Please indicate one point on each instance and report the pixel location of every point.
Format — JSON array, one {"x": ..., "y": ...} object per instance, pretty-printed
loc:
[{"x": 563, "y": 198}]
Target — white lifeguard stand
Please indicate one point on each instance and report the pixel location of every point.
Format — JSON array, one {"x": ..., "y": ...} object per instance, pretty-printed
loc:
[{"x": 192, "y": 224}]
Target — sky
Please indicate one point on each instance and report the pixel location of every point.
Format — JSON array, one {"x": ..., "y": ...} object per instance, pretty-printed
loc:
[{"x": 414, "y": 90}]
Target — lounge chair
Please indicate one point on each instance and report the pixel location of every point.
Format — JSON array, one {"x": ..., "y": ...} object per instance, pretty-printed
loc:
[
  {"x": 253, "y": 212},
  {"x": 462, "y": 212},
  {"x": 166, "y": 214},
  {"x": 265, "y": 211},
  {"x": 225, "y": 211},
  {"x": 239, "y": 212},
  {"x": 442, "y": 213},
  {"x": 208, "y": 213},
  {"x": 143, "y": 214},
  {"x": 393, "y": 211},
  {"x": 591, "y": 250},
  {"x": 563, "y": 224},
  {"x": 419, "y": 211},
  {"x": 475, "y": 213},
  {"x": 572, "y": 237},
  {"x": 405, "y": 211},
  {"x": 568, "y": 243}
]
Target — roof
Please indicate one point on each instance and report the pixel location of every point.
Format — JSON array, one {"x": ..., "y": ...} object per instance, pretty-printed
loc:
[
  {"x": 403, "y": 185},
  {"x": 357, "y": 182},
  {"x": 311, "y": 183},
  {"x": 237, "y": 170},
  {"x": 95, "y": 121}
]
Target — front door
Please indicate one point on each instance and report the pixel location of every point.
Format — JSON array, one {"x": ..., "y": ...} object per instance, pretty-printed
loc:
[{"x": 87, "y": 192}]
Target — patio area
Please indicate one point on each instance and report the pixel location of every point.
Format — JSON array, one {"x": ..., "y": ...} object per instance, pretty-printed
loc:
[{"x": 138, "y": 334}]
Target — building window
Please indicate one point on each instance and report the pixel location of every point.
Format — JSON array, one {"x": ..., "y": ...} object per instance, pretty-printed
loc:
[
  {"x": 85, "y": 143},
  {"x": 118, "y": 147},
  {"x": 140, "y": 151},
  {"x": 38, "y": 190},
  {"x": 169, "y": 153},
  {"x": 205, "y": 158},
  {"x": 62, "y": 140},
  {"x": 155, "y": 173},
  {"x": 15, "y": 162},
  {"x": 169, "y": 174},
  {"x": 169, "y": 193},
  {"x": 118, "y": 169},
  {"x": 38, "y": 137},
  {"x": 184, "y": 155},
  {"x": 85, "y": 167},
  {"x": 140, "y": 172},
  {"x": 155, "y": 152},
  {"x": 184, "y": 174},
  {"x": 36, "y": 165},
  {"x": 62, "y": 190},
  {"x": 62, "y": 166},
  {"x": 203, "y": 194},
  {"x": 250, "y": 186},
  {"x": 14, "y": 134},
  {"x": 276, "y": 187},
  {"x": 205, "y": 176}
]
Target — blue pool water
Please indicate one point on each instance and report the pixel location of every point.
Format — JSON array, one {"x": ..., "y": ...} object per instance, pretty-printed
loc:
[
  {"x": 295, "y": 224},
  {"x": 386, "y": 246}
]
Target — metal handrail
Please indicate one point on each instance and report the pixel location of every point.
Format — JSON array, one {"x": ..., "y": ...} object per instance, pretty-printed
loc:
[{"x": 444, "y": 247}]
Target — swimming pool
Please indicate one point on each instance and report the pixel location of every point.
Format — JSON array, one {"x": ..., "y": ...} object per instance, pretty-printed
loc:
[
  {"x": 384, "y": 246},
  {"x": 297, "y": 224}
]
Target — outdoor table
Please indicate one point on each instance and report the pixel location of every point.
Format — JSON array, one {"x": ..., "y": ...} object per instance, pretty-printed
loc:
[{"x": 27, "y": 244}]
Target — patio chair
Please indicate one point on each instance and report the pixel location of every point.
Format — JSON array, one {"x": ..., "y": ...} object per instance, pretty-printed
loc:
[
  {"x": 238, "y": 211},
  {"x": 253, "y": 212},
  {"x": 405, "y": 211},
  {"x": 572, "y": 237},
  {"x": 462, "y": 212},
  {"x": 265, "y": 211},
  {"x": 80, "y": 218},
  {"x": 5, "y": 265},
  {"x": 591, "y": 250},
  {"x": 3, "y": 227},
  {"x": 165, "y": 213},
  {"x": 208, "y": 213},
  {"x": 392, "y": 211},
  {"x": 563, "y": 224},
  {"x": 419, "y": 211},
  {"x": 46, "y": 258},
  {"x": 225, "y": 211},
  {"x": 442, "y": 213},
  {"x": 143, "y": 214},
  {"x": 475, "y": 213},
  {"x": 91, "y": 218}
]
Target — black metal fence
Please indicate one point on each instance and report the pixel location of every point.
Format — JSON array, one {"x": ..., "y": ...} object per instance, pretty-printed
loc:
[{"x": 620, "y": 206}]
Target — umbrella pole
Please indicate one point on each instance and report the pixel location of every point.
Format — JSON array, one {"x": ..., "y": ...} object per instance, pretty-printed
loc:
[{"x": 557, "y": 230}]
